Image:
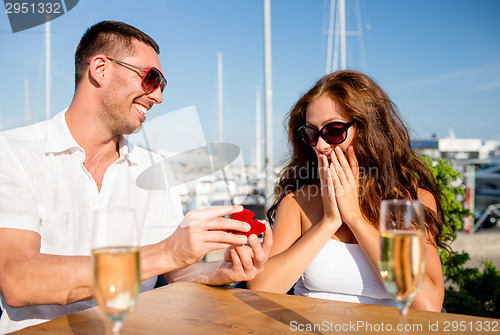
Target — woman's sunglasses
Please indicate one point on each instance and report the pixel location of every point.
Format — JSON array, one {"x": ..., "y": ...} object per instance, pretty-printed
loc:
[
  {"x": 152, "y": 78},
  {"x": 333, "y": 133}
]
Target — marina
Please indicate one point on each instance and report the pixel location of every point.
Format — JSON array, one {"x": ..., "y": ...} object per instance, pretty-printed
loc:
[{"x": 479, "y": 164}]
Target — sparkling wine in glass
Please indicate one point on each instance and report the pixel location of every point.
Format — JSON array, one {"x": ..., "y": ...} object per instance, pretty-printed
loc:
[
  {"x": 402, "y": 257},
  {"x": 115, "y": 263}
]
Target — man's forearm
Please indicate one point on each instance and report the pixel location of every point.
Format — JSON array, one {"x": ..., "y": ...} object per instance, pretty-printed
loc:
[
  {"x": 200, "y": 272},
  {"x": 41, "y": 279},
  {"x": 47, "y": 279}
]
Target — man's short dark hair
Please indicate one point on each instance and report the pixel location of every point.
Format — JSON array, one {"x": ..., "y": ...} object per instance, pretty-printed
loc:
[{"x": 111, "y": 38}]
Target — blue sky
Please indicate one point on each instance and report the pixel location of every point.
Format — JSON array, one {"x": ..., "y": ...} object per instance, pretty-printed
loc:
[{"x": 439, "y": 60}]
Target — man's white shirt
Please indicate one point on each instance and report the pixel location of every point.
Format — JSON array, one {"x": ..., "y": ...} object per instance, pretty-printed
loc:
[{"x": 45, "y": 188}]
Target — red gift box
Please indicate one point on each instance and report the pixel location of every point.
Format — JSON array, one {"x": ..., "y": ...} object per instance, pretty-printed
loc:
[{"x": 256, "y": 227}]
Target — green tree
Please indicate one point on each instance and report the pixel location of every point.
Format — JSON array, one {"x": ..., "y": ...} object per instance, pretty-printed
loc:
[
  {"x": 470, "y": 291},
  {"x": 446, "y": 177}
]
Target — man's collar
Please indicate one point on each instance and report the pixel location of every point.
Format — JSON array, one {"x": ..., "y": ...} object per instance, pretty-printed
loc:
[
  {"x": 126, "y": 150},
  {"x": 60, "y": 139}
]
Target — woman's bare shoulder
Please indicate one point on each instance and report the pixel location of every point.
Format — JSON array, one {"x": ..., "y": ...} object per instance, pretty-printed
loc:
[
  {"x": 427, "y": 199},
  {"x": 306, "y": 194},
  {"x": 304, "y": 203}
]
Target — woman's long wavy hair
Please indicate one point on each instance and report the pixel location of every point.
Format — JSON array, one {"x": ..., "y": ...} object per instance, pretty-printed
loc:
[{"x": 382, "y": 145}]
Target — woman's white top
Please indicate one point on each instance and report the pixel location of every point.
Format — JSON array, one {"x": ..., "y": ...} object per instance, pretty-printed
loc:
[{"x": 342, "y": 272}]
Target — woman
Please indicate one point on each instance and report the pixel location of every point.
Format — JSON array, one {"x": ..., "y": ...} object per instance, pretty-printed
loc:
[{"x": 350, "y": 150}]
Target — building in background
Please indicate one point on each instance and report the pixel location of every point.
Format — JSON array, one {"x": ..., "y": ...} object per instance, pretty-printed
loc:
[{"x": 479, "y": 163}]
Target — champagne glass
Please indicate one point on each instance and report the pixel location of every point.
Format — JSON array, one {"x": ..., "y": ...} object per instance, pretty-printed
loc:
[
  {"x": 402, "y": 256},
  {"x": 115, "y": 263}
]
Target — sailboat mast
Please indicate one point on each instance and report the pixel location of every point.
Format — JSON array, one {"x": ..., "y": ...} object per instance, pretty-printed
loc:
[
  {"x": 337, "y": 20},
  {"x": 330, "y": 38},
  {"x": 269, "y": 164},
  {"x": 219, "y": 90},
  {"x": 258, "y": 134},
  {"x": 26, "y": 102},
  {"x": 47, "y": 70},
  {"x": 343, "y": 64}
]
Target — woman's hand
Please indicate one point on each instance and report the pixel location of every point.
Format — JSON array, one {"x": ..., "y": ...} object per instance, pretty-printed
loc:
[
  {"x": 331, "y": 214},
  {"x": 345, "y": 177}
]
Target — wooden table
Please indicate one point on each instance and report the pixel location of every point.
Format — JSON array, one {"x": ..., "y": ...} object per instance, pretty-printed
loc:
[{"x": 188, "y": 308}]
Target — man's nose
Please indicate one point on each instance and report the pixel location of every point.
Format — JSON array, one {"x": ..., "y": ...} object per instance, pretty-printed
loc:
[{"x": 156, "y": 96}]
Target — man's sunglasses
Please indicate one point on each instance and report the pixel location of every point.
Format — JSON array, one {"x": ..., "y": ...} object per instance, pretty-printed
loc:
[
  {"x": 333, "y": 133},
  {"x": 152, "y": 78}
]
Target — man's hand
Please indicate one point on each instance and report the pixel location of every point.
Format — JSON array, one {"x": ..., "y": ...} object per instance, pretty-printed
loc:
[
  {"x": 203, "y": 231},
  {"x": 244, "y": 262}
]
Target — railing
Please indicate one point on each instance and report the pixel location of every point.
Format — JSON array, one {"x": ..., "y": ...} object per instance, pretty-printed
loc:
[{"x": 490, "y": 210}]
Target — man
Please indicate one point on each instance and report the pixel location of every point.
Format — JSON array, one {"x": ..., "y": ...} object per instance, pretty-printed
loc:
[{"x": 55, "y": 173}]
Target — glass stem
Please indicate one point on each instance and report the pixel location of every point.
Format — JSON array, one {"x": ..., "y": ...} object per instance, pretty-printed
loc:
[
  {"x": 403, "y": 317},
  {"x": 404, "y": 312},
  {"x": 117, "y": 327}
]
